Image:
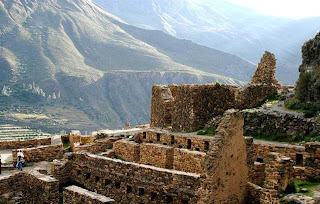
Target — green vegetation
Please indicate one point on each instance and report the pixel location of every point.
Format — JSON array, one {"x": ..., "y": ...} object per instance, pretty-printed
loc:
[
  {"x": 307, "y": 95},
  {"x": 207, "y": 131},
  {"x": 218, "y": 84},
  {"x": 272, "y": 98},
  {"x": 118, "y": 157},
  {"x": 297, "y": 186},
  {"x": 285, "y": 138},
  {"x": 308, "y": 108}
]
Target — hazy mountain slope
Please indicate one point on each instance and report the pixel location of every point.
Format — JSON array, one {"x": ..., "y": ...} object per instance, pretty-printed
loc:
[
  {"x": 69, "y": 56},
  {"x": 224, "y": 26},
  {"x": 194, "y": 55}
]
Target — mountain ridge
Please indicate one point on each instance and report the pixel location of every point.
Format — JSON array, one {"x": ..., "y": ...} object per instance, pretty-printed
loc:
[{"x": 72, "y": 55}]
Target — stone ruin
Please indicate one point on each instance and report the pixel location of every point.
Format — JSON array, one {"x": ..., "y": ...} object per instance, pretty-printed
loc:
[
  {"x": 265, "y": 73},
  {"x": 158, "y": 165},
  {"x": 189, "y": 107}
]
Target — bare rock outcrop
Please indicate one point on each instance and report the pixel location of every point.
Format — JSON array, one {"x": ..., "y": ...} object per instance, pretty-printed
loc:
[
  {"x": 308, "y": 85},
  {"x": 265, "y": 73}
]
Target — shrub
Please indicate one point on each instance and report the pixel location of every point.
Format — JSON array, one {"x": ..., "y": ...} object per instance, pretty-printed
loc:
[{"x": 207, "y": 131}]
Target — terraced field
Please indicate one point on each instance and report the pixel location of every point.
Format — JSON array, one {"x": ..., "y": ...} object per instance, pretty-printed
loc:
[{"x": 12, "y": 132}]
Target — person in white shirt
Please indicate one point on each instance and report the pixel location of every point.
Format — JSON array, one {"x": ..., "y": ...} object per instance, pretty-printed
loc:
[{"x": 20, "y": 156}]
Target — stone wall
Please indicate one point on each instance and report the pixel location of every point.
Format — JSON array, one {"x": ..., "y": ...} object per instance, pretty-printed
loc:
[
  {"x": 42, "y": 153},
  {"x": 97, "y": 146},
  {"x": 259, "y": 174},
  {"x": 186, "y": 141},
  {"x": 36, "y": 188},
  {"x": 254, "y": 193},
  {"x": 75, "y": 194},
  {"x": 127, "y": 150},
  {"x": 188, "y": 161},
  {"x": 265, "y": 73},
  {"x": 128, "y": 182},
  {"x": 279, "y": 173},
  {"x": 225, "y": 172},
  {"x": 292, "y": 151},
  {"x": 282, "y": 125},
  {"x": 156, "y": 155},
  {"x": 194, "y": 105},
  {"x": 162, "y": 102},
  {"x": 24, "y": 143},
  {"x": 189, "y": 108},
  {"x": 86, "y": 139},
  {"x": 312, "y": 163}
]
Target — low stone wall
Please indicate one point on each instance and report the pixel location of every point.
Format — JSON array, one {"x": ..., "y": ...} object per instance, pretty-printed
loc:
[
  {"x": 128, "y": 182},
  {"x": 156, "y": 155},
  {"x": 312, "y": 163},
  {"x": 279, "y": 173},
  {"x": 42, "y": 153},
  {"x": 75, "y": 194},
  {"x": 36, "y": 188},
  {"x": 24, "y": 143},
  {"x": 86, "y": 139},
  {"x": 95, "y": 147},
  {"x": 191, "y": 142},
  {"x": 282, "y": 125},
  {"x": 259, "y": 174},
  {"x": 254, "y": 194},
  {"x": 127, "y": 150},
  {"x": 292, "y": 151},
  {"x": 188, "y": 161}
]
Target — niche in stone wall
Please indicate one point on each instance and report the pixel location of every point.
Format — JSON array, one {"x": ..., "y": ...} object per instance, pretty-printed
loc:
[
  {"x": 129, "y": 189},
  {"x": 299, "y": 159},
  {"x": 189, "y": 144},
  {"x": 260, "y": 159},
  {"x": 206, "y": 145},
  {"x": 172, "y": 139},
  {"x": 158, "y": 137},
  {"x": 141, "y": 191}
]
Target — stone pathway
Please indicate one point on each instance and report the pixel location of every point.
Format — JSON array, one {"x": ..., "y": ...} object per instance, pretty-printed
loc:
[
  {"x": 278, "y": 108},
  {"x": 30, "y": 167}
]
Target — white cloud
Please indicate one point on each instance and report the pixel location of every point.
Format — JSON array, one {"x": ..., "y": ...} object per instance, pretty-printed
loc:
[{"x": 283, "y": 8}]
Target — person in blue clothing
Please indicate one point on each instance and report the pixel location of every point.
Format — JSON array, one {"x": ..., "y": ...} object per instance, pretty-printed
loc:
[{"x": 20, "y": 160}]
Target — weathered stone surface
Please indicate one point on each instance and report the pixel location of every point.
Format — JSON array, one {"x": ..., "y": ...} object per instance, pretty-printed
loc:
[
  {"x": 193, "y": 106},
  {"x": 225, "y": 173},
  {"x": 96, "y": 147},
  {"x": 286, "y": 125},
  {"x": 265, "y": 73},
  {"x": 188, "y": 161},
  {"x": 36, "y": 188},
  {"x": 24, "y": 143},
  {"x": 77, "y": 195},
  {"x": 191, "y": 142},
  {"x": 127, "y": 150},
  {"x": 156, "y": 155},
  {"x": 128, "y": 182},
  {"x": 42, "y": 153},
  {"x": 308, "y": 88}
]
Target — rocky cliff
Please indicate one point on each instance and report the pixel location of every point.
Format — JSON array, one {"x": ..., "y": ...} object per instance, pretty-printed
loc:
[{"x": 308, "y": 85}]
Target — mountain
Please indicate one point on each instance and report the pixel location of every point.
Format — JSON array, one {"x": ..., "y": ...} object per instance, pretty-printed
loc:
[
  {"x": 68, "y": 64},
  {"x": 222, "y": 25}
]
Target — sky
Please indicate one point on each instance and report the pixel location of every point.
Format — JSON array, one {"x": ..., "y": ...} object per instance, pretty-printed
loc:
[{"x": 283, "y": 8}]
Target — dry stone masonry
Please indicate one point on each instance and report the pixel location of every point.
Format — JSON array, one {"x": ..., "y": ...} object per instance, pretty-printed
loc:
[
  {"x": 265, "y": 73},
  {"x": 190, "y": 107},
  {"x": 77, "y": 195}
]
